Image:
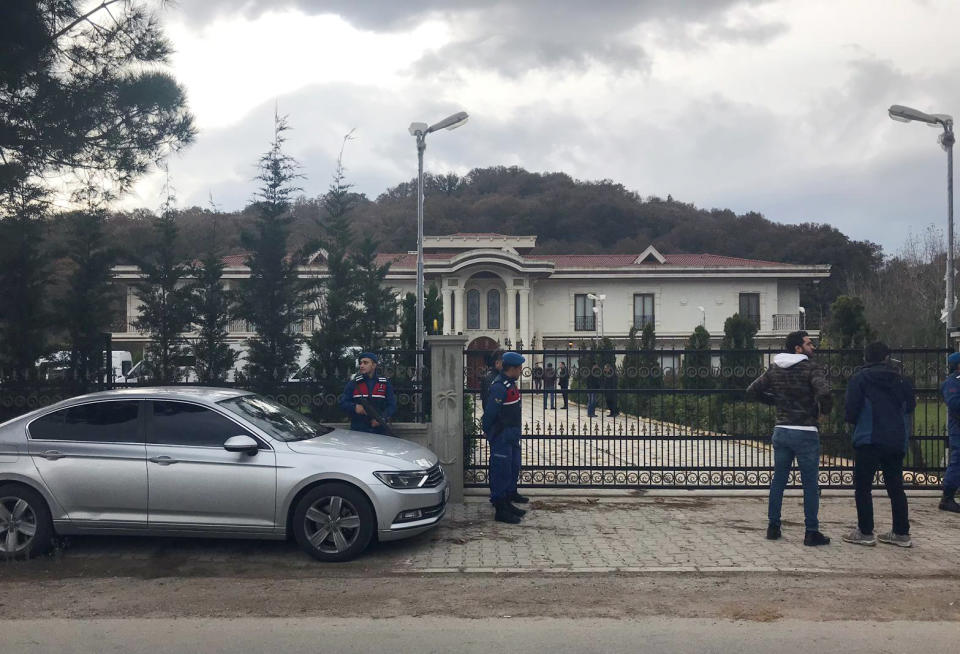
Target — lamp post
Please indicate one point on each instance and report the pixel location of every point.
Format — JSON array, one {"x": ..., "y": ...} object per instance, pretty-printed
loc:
[
  {"x": 703, "y": 317},
  {"x": 946, "y": 139},
  {"x": 420, "y": 131},
  {"x": 598, "y": 298}
]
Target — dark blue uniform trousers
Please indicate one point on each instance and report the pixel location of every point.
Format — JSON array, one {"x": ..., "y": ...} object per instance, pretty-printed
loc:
[
  {"x": 504, "y": 465},
  {"x": 952, "y": 478}
]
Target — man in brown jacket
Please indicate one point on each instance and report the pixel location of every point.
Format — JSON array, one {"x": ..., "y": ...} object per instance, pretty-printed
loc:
[{"x": 801, "y": 392}]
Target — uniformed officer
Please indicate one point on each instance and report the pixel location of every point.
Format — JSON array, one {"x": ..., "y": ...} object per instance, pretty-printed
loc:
[
  {"x": 951, "y": 395},
  {"x": 502, "y": 427},
  {"x": 375, "y": 390}
]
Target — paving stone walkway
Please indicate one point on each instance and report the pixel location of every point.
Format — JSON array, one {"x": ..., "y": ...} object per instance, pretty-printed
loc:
[{"x": 676, "y": 534}]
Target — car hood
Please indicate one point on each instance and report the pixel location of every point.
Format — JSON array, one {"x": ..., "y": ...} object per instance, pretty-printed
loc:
[{"x": 384, "y": 450}]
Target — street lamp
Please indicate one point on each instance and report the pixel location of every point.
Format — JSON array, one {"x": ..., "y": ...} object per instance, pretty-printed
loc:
[
  {"x": 946, "y": 139},
  {"x": 599, "y": 298},
  {"x": 703, "y": 317},
  {"x": 420, "y": 131}
]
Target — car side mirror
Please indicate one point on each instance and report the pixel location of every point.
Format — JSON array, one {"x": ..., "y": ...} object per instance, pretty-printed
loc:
[{"x": 241, "y": 443}]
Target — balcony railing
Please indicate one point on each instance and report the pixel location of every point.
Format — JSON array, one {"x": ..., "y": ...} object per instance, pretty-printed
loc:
[
  {"x": 585, "y": 323},
  {"x": 786, "y": 322},
  {"x": 238, "y": 325}
]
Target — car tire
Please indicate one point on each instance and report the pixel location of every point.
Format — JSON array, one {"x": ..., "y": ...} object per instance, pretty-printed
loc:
[
  {"x": 26, "y": 529},
  {"x": 334, "y": 522}
]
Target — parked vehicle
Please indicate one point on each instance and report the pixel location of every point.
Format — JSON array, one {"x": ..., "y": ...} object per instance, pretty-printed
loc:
[
  {"x": 56, "y": 366},
  {"x": 181, "y": 461}
]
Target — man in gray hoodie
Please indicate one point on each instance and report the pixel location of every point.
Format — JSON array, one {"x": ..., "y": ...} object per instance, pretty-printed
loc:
[{"x": 800, "y": 391}]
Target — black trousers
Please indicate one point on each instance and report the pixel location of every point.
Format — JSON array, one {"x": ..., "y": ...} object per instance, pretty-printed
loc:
[{"x": 867, "y": 460}]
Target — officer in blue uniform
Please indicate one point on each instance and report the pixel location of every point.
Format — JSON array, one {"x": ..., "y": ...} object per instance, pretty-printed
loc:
[
  {"x": 376, "y": 390},
  {"x": 502, "y": 419},
  {"x": 951, "y": 395}
]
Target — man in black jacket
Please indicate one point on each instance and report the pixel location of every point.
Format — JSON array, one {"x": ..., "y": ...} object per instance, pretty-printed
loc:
[
  {"x": 800, "y": 391},
  {"x": 880, "y": 404}
]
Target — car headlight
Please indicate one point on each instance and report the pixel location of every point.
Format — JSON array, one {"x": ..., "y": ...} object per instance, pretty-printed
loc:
[{"x": 403, "y": 479}]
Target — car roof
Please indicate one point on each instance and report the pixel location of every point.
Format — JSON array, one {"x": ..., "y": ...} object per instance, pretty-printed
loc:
[{"x": 204, "y": 393}]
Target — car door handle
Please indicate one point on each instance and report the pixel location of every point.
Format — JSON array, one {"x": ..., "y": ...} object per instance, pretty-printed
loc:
[
  {"x": 162, "y": 460},
  {"x": 52, "y": 455}
]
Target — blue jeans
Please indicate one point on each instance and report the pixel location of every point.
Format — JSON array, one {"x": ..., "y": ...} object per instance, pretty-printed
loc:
[
  {"x": 550, "y": 393},
  {"x": 805, "y": 447},
  {"x": 952, "y": 478},
  {"x": 591, "y": 404}
]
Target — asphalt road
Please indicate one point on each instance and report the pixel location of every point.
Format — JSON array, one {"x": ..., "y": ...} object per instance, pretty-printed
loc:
[{"x": 504, "y": 634}]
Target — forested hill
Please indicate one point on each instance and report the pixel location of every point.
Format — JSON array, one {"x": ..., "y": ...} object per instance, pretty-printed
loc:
[{"x": 566, "y": 215}]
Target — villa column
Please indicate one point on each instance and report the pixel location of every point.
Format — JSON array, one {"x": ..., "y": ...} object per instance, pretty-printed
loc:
[
  {"x": 458, "y": 310},
  {"x": 447, "y": 303},
  {"x": 525, "y": 316},
  {"x": 512, "y": 315}
]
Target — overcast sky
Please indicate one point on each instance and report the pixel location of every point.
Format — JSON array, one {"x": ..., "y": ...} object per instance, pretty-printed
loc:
[{"x": 776, "y": 106}]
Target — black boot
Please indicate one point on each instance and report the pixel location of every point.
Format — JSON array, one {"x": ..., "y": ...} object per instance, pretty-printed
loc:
[
  {"x": 948, "y": 503},
  {"x": 517, "y": 498},
  {"x": 515, "y": 510},
  {"x": 815, "y": 538},
  {"x": 503, "y": 514}
]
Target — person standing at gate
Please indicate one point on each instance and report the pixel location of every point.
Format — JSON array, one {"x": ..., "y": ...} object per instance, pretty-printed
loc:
[
  {"x": 372, "y": 390},
  {"x": 550, "y": 386},
  {"x": 801, "y": 392},
  {"x": 610, "y": 385},
  {"x": 880, "y": 404},
  {"x": 563, "y": 381},
  {"x": 502, "y": 420},
  {"x": 951, "y": 395},
  {"x": 494, "y": 364}
]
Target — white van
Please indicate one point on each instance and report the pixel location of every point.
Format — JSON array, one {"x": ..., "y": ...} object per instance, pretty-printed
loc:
[{"x": 56, "y": 366}]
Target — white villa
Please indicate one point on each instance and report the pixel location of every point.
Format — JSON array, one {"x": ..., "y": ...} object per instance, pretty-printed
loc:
[{"x": 494, "y": 288}]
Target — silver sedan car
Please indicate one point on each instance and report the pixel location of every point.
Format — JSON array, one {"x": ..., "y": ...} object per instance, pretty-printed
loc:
[{"x": 208, "y": 462}]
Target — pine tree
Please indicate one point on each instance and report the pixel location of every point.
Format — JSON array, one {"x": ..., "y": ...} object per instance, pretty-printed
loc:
[
  {"x": 378, "y": 299},
  {"x": 211, "y": 304},
  {"x": 432, "y": 312},
  {"x": 696, "y": 373},
  {"x": 740, "y": 362},
  {"x": 24, "y": 274},
  {"x": 85, "y": 310},
  {"x": 274, "y": 298},
  {"x": 339, "y": 315},
  {"x": 165, "y": 310}
]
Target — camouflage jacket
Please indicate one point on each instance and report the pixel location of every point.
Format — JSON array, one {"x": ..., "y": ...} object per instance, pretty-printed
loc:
[{"x": 797, "y": 387}]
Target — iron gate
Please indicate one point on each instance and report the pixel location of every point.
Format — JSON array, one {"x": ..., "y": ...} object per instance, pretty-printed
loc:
[{"x": 680, "y": 419}]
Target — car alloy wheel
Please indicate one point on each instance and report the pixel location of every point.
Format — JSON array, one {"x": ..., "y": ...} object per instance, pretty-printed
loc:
[
  {"x": 334, "y": 522},
  {"x": 18, "y": 525}
]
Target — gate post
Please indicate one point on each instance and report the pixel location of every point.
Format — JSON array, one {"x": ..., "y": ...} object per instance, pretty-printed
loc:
[{"x": 446, "y": 402}]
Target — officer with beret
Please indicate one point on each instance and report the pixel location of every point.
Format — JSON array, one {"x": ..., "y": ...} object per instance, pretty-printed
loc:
[
  {"x": 502, "y": 419},
  {"x": 368, "y": 388},
  {"x": 951, "y": 395}
]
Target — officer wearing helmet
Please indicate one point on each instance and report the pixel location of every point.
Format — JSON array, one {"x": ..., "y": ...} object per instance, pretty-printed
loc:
[{"x": 502, "y": 419}]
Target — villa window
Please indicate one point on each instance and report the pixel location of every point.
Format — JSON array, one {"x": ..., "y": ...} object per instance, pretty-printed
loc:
[
  {"x": 493, "y": 309},
  {"x": 750, "y": 307},
  {"x": 473, "y": 309},
  {"x": 585, "y": 320}
]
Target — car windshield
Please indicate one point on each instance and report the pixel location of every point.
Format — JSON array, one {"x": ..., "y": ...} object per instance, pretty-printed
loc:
[{"x": 277, "y": 420}]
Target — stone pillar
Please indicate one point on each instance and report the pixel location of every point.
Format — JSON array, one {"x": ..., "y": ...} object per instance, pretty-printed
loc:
[
  {"x": 525, "y": 317},
  {"x": 446, "y": 407},
  {"x": 512, "y": 316},
  {"x": 447, "y": 303},
  {"x": 459, "y": 311}
]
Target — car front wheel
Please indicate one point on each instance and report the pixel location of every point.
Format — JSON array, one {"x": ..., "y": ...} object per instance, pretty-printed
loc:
[
  {"x": 333, "y": 522},
  {"x": 25, "y": 526}
]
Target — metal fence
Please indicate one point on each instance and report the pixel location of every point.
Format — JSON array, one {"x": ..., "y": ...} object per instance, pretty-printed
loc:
[
  {"x": 316, "y": 397},
  {"x": 681, "y": 419}
]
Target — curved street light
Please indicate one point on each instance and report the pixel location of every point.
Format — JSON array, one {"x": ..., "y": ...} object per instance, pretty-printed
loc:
[
  {"x": 420, "y": 131},
  {"x": 946, "y": 139}
]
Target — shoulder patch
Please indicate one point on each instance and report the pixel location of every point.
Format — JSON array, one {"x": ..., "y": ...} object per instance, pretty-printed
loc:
[{"x": 358, "y": 378}]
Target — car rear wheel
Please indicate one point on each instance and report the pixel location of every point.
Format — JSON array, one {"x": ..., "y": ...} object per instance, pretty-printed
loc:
[
  {"x": 25, "y": 526},
  {"x": 333, "y": 522}
]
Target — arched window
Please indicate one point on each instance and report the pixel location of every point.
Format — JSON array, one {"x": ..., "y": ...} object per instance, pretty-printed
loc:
[
  {"x": 473, "y": 309},
  {"x": 493, "y": 309}
]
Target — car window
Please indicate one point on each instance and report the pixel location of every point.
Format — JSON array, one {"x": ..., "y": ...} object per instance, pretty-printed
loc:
[
  {"x": 277, "y": 420},
  {"x": 181, "y": 423},
  {"x": 101, "y": 422}
]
